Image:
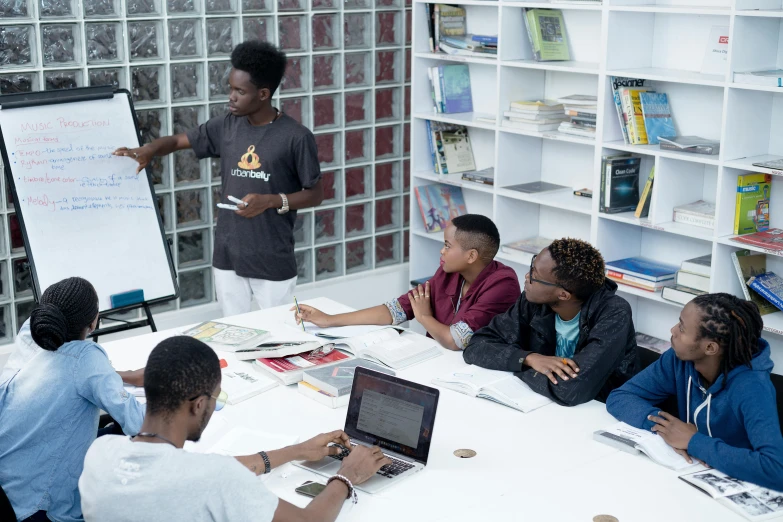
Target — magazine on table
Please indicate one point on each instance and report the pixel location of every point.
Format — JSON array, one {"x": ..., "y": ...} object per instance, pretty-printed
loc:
[{"x": 749, "y": 500}]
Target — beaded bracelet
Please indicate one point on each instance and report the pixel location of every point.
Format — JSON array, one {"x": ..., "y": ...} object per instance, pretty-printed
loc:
[
  {"x": 351, "y": 490},
  {"x": 267, "y": 464}
]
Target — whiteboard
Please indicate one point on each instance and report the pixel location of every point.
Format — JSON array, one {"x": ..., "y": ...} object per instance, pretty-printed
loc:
[{"x": 83, "y": 211}]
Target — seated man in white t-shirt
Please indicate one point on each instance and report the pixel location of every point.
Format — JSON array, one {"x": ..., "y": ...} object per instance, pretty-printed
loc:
[{"x": 149, "y": 477}]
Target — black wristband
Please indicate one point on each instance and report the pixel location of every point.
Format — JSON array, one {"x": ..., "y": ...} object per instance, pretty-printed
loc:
[{"x": 267, "y": 464}]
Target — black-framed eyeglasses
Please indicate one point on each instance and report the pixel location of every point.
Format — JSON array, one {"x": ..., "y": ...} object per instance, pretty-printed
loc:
[
  {"x": 220, "y": 400},
  {"x": 534, "y": 280}
]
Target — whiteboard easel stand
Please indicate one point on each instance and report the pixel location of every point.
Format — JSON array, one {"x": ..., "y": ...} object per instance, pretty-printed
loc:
[{"x": 19, "y": 101}]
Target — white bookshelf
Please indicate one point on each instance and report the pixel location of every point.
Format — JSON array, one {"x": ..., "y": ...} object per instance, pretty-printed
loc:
[{"x": 662, "y": 41}]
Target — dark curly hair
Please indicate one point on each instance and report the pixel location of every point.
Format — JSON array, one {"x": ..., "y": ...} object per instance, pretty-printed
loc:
[
  {"x": 579, "y": 267},
  {"x": 733, "y": 323},
  {"x": 65, "y": 309},
  {"x": 264, "y": 62},
  {"x": 179, "y": 369},
  {"x": 475, "y": 231}
]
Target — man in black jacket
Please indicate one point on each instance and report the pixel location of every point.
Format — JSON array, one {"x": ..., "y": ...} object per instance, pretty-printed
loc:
[{"x": 569, "y": 337}]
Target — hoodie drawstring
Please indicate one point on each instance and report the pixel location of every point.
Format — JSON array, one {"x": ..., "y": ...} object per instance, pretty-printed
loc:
[{"x": 707, "y": 403}]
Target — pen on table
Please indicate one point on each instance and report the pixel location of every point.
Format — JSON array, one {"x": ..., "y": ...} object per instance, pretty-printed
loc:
[{"x": 299, "y": 313}]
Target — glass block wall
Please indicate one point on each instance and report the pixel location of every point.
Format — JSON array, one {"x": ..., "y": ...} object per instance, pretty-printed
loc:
[{"x": 348, "y": 79}]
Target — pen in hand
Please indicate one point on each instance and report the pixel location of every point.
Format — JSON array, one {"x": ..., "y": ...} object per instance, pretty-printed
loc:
[{"x": 299, "y": 314}]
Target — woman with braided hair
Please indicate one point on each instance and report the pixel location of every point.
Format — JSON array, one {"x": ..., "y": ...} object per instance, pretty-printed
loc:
[
  {"x": 719, "y": 370},
  {"x": 51, "y": 394}
]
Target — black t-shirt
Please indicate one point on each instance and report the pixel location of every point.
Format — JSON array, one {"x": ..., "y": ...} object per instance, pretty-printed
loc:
[{"x": 268, "y": 159}]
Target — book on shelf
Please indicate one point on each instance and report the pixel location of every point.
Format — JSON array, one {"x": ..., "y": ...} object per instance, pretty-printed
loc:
[
  {"x": 652, "y": 343},
  {"x": 240, "y": 383},
  {"x": 227, "y": 337},
  {"x": 449, "y": 20},
  {"x": 716, "y": 51},
  {"x": 430, "y": 13},
  {"x": 501, "y": 387},
  {"x": 620, "y": 184},
  {"x": 699, "y": 213},
  {"x": 643, "y": 268},
  {"x": 749, "y": 264},
  {"x": 338, "y": 378},
  {"x": 691, "y": 144},
  {"x": 420, "y": 281},
  {"x": 532, "y": 117},
  {"x": 439, "y": 204},
  {"x": 768, "y": 78},
  {"x": 546, "y": 31},
  {"x": 534, "y": 127},
  {"x": 485, "y": 176},
  {"x": 568, "y": 127},
  {"x": 749, "y": 500},
  {"x": 680, "y": 294},
  {"x": 486, "y": 39},
  {"x": 584, "y": 192},
  {"x": 535, "y": 106},
  {"x": 536, "y": 187},
  {"x": 643, "y": 207},
  {"x": 584, "y": 122},
  {"x": 289, "y": 370},
  {"x": 531, "y": 245},
  {"x": 589, "y": 101},
  {"x": 752, "y": 203},
  {"x": 657, "y": 116},
  {"x": 581, "y": 112},
  {"x": 695, "y": 281},
  {"x": 450, "y": 147},
  {"x": 770, "y": 162},
  {"x": 618, "y": 84},
  {"x": 625, "y": 437},
  {"x": 769, "y": 286},
  {"x": 770, "y": 240},
  {"x": 632, "y": 109},
  {"x": 468, "y": 45},
  {"x": 637, "y": 282},
  {"x": 698, "y": 265},
  {"x": 454, "y": 87}
]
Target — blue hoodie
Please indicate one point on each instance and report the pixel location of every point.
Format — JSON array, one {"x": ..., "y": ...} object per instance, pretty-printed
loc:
[{"x": 739, "y": 432}]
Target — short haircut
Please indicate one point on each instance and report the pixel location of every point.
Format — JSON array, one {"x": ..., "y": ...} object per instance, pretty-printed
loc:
[
  {"x": 475, "y": 231},
  {"x": 264, "y": 62},
  {"x": 179, "y": 369},
  {"x": 579, "y": 267},
  {"x": 65, "y": 309}
]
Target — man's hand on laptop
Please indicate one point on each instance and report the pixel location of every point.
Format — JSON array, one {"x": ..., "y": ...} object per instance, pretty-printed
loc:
[
  {"x": 363, "y": 463},
  {"x": 318, "y": 447}
]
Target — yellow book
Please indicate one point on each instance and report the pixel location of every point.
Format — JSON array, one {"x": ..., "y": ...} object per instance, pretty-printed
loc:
[
  {"x": 632, "y": 106},
  {"x": 643, "y": 208},
  {"x": 751, "y": 213}
]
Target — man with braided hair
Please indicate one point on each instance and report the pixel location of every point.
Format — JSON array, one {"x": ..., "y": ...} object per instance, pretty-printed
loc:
[
  {"x": 719, "y": 370},
  {"x": 569, "y": 336},
  {"x": 51, "y": 393}
]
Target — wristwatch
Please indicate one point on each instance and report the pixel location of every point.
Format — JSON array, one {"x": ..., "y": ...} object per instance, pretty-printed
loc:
[{"x": 284, "y": 209}]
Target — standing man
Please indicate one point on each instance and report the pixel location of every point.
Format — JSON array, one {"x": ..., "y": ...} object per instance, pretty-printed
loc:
[{"x": 270, "y": 162}]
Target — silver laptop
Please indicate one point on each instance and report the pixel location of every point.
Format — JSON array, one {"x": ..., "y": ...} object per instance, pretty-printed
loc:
[{"x": 392, "y": 413}]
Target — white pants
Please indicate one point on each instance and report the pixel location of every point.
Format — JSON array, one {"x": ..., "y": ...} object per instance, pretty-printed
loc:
[{"x": 235, "y": 294}]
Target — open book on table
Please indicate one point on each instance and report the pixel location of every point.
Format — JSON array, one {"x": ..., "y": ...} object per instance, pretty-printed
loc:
[
  {"x": 634, "y": 440},
  {"x": 391, "y": 347},
  {"x": 749, "y": 500},
  {"x": 502, "y": 387}
]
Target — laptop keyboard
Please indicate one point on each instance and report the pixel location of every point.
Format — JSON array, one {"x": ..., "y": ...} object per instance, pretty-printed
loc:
[{"x": 396, "y": 467}]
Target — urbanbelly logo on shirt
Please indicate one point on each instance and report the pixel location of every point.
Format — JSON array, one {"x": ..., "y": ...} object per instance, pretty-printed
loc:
[{"x": 248, "y": 163}]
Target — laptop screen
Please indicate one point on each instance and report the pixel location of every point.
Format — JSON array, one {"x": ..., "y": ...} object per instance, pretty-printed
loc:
[{"x": 392, "y": 413}]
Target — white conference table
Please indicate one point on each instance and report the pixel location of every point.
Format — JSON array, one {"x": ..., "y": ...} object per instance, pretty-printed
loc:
[{"x": 539, "y": 466}]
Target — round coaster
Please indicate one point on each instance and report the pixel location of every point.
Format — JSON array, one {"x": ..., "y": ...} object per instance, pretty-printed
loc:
[
  {"x": 605, "y": 518},
  {"x": 464, "y": 453}
]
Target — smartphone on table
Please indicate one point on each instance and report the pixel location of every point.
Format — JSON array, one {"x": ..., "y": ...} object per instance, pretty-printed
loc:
[{"x": 310, "y": 488}]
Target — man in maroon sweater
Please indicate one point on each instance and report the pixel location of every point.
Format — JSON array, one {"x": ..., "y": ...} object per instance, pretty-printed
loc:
[{"x": 466, "y": 292}]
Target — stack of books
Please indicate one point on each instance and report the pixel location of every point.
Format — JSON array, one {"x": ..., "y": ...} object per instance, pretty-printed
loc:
[
  {"x": 641, "y": 273},
  {"x": 692, "y": 279},
  {"x": 748, "y": 265},
  {"x": 767, "y": 78},
  {"x": 450, "y": 148},
  {"x": 525, "y": 249},
  {"x": 699, "y": 213},
  {"x": 582, "y": 111},
  {"x": 450, "y": 86},
  {"x": 485, "y": 176},
  {"x": 331, "y": 385},
  {"x": 533, "y": 116},
  {"x": 770, "y": 240},
  {"x": 484, "y": 46}
]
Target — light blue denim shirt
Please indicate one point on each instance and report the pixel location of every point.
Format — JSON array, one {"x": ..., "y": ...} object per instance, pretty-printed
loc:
[{"x": 49, "y": 408}]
